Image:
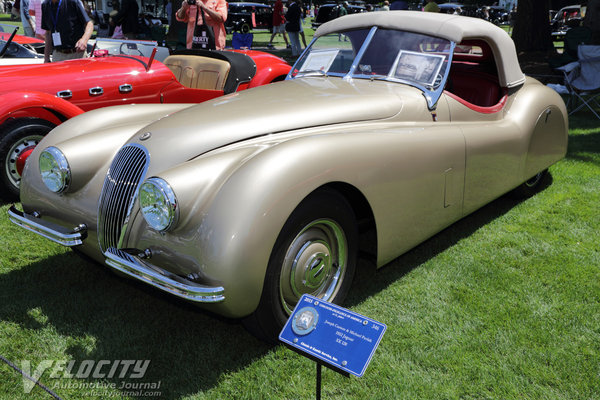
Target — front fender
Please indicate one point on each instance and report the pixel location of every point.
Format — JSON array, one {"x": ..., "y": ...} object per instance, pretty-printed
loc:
[
  {"x": 233, "y": 205},
  {"x": 36, "y": 104}
]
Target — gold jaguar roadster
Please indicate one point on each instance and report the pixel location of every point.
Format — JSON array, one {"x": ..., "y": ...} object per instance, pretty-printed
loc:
[{"x": 396, "y": 122}]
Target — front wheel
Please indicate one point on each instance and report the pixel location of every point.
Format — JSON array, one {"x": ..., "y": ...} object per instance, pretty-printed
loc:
[
  {"x": 18, "y": 138},
  {"x": 315, "y": 253}
]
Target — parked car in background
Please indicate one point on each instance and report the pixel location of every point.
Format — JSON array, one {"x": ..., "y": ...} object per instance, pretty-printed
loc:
[
  {"x": 19, "y": 49},
  {"x": 495, "y": 14},
  {"x": 12, "y": 52},
  {"x": 36, "y": 98},
  {"x": 34, "y": 43},
  {"x": 244, "y": 17},
  {"x": 244, "y": 203},
  {"x": 328, "y": 12},
  {"x": 565, "y": 19},
  {"x": 451, "y": 8},
  {"x": 17, "y": 54}
]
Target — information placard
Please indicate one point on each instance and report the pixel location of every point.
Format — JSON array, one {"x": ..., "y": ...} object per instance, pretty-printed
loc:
[{"x": 339, "y": 337}]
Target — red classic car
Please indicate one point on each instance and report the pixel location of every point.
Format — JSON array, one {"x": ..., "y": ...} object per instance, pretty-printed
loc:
[
  {"x": 18, "y": 49},
  {"x": 36, "y": 98}
]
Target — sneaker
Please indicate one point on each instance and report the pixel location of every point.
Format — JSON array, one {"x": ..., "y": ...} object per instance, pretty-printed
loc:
[{"x": 270, "y": 46}]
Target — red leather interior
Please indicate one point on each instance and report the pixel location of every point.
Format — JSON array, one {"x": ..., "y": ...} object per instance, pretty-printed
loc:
[
  {"x": 475, "y": 87},
  {"x": 473, "y": 79}
]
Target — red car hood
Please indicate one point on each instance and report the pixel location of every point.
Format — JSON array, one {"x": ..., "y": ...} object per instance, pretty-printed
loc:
[
  {"x": 20, "y": 39},
  {"x": 57, "y": 76}
]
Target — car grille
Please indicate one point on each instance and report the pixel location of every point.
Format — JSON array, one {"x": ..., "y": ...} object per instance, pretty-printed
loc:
[{"x": 119, "y": 193}]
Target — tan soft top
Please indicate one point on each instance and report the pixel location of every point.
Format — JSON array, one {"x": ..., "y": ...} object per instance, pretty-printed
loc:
[{"x": 452, "y": 27}]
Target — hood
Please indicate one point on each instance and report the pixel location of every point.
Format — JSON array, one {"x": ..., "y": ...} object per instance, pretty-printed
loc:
[
  {"x": 278, "y": 107},
  {"x": 35, "y": 77}
]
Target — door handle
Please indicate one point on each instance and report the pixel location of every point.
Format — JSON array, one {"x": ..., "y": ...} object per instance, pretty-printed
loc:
[
  {"x": 125, "y": 88},
  {"x": 96, "y": 91},
  {"x": 64, "y": 94}
]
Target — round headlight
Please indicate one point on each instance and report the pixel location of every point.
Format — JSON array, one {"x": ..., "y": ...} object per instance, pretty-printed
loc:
[
  {"x": 55, "y": 170},
  {"x": 158, "y": 204}
]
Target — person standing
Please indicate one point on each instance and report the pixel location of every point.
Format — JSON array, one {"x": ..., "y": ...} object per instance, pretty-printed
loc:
[
  {"x": 68, "y": 29},
  {"x": 278, "y": 23},
  {"x": 215, "y": 13},
  {"x": 26, "y": 19},
  {"x": 127, "y": 18},
  {"x": 301, "y": 23},
  {"x": 341, "y": 11},
  {"x": 293, "y": 26},
  {"x": 169, "y": 11}
]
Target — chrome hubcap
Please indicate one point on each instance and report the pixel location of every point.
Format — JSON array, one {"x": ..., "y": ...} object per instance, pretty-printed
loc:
[
  {"x": 314, "y": 263},
  {"x": 17, "y": 155}
]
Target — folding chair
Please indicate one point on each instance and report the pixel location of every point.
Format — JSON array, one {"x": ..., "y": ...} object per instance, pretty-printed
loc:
[
  {"x": 242, "y": 40},
  {"x": 582, "y": 79}
]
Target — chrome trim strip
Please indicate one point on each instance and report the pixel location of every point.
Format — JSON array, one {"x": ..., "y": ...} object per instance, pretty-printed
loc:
[
  {"x": 161, "y": 279},
  {"x": 53, "y": 232}
]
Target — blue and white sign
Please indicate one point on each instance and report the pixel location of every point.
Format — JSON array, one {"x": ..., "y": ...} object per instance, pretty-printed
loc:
[{"x": 341, "y": 338}]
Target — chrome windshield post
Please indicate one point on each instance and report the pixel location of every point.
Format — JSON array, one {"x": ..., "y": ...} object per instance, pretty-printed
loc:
[
  {"x": 360, "y": 53},
  {"x": 432, "y": 97}
]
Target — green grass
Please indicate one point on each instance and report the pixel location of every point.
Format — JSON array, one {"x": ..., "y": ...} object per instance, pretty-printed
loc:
[{"x": 504, "y": 304}]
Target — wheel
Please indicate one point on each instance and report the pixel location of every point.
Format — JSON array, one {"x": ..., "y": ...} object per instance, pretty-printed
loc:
[
  {"x": 315, "y": 253},
  {"x": 532, "y": 186},
  {"x": 18, "y": 138},
  {"x": 245, "y": 28}
]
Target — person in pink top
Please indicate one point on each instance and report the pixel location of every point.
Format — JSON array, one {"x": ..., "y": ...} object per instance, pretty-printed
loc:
[
  {"x": 215, "y": 12},
  {"x": 37, "y": 7}
]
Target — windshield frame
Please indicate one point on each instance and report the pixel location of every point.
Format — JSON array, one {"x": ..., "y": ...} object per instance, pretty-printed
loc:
[{"x": 431, "y": 94}]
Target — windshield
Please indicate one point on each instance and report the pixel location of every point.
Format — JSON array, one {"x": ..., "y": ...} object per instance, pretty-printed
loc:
[{"x": 399, "y": 56}]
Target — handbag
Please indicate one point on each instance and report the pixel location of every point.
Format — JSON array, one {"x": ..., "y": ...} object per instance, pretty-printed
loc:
[{"x": 204, "y": 36}]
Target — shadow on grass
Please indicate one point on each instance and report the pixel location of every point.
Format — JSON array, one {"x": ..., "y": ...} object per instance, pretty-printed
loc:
[
  {"x": 369, "y": 281},
  {"x": 104, "y": 317}
]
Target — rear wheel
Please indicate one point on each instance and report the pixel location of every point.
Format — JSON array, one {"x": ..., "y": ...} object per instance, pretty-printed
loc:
[
  {"x": 315, "y": 253},
  {"x": 18, "y": 138},
  {"x": 532, "y": 185}
]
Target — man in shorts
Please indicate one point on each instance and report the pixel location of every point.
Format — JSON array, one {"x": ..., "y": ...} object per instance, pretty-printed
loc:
[{"x": 278, "y": 23}]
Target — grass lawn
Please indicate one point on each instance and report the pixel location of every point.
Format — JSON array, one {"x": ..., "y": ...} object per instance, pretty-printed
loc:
[{"x": 504, "y": 304}]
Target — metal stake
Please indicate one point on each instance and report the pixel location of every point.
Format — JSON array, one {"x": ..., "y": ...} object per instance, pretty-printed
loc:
[{"x": 318, "y": 381}]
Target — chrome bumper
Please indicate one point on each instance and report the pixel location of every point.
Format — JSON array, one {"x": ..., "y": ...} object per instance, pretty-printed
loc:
[
  {"x": 162, "y": 279},
  {"x": 56, "y": 233}
]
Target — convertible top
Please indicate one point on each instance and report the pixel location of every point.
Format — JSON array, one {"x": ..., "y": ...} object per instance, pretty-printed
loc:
[
  {"x": 451, "y": 27},
  {"x": 243, "y": 67}
]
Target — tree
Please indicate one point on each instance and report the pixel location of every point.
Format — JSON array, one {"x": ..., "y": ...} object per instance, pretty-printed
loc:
[
  {"x": 592, "y": 19},
  {"x": 532, "y": 29}
]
